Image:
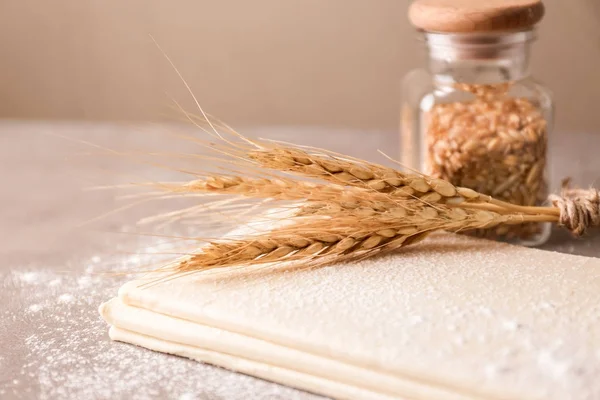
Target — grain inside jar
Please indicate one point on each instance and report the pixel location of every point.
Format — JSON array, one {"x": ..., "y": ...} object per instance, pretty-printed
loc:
[{"x": 495, "y": 144}]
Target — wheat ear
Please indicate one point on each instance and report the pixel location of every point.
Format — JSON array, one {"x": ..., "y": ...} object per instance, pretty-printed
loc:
[
  {"x": 353, "y": 173},
  {"x": 377, "y": 178},
  {"x": 282, "y": 188},
  {"x": 342, "y": 237}
]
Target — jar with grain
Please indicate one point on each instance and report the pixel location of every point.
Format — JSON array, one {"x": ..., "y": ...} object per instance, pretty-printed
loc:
[{"x": 475, "y": 116}]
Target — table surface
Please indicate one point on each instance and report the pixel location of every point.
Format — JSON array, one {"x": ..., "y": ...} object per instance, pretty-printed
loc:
[{"x": 54, "y": 260}]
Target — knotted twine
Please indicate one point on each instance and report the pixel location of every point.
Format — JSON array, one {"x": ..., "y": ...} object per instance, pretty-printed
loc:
[{"x": 579, "y": 208}]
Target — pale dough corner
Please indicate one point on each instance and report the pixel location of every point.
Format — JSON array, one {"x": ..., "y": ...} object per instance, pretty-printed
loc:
[{"x": 451, "y": 318}]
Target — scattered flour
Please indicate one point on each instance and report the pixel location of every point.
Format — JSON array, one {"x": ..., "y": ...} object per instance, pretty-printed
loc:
[
  {"x": 55, "y": 282},
  {"x": 415, "y": 319},
  {"x": 551, "y": 363},
  {"x": 84, "y": 281},
  {"x": 486, "y": 311},
  {"x": 35, "y": 307},
  {"x": 65, "y": 298},
  {"x": 61, "y": 347},
  {"x": 511, "y": 325},
  {"x": 29, "y": 277}
]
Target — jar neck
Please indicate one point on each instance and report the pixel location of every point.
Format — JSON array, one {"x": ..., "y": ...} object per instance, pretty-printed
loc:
[{"x": 479, "y": 58}]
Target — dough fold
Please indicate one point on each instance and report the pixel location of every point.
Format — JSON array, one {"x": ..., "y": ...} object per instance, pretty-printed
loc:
[{"x": 208, "y": 344}]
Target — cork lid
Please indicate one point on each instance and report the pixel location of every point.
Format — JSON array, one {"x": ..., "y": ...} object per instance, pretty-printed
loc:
[{"x": 462, "y": 16}]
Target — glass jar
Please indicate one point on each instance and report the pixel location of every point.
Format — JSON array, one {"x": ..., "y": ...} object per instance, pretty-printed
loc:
[{"x": 477, "y": 118}]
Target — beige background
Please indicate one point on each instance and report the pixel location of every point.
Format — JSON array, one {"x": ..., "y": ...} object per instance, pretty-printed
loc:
[{"x": 307, "y": 62}]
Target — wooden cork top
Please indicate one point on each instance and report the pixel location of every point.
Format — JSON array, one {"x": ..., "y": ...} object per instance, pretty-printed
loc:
[{"x": 462, "y": 16}]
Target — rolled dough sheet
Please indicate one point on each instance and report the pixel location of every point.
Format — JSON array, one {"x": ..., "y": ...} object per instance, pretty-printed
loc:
[
  {"x": 281, "y": 375},
  {"x": 356, "y": 382},
  {"x": 466, "y": 317}
]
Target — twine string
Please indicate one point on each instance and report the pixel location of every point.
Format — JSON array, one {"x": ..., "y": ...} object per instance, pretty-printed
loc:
[{"x": 579, "y": 209}]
